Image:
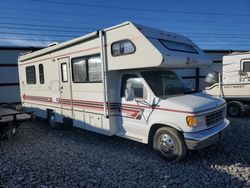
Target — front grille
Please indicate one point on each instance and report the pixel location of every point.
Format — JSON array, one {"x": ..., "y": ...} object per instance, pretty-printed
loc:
[{"x": 215, "y": 117}]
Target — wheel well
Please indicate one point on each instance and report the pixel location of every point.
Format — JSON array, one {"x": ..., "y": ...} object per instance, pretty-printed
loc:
[{"x": 152, "y": 131}]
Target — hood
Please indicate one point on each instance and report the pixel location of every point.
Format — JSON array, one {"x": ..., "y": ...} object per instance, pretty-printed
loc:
[{"x": 191, "y": 103}]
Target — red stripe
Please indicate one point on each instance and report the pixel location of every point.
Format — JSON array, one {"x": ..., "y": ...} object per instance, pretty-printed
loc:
[
  {"x": 77, "y": 100},
  {"x": 123, "y": 106},
  {"x": 171, "y": 110},
  {"x": 43, "y": 101},
  {"x": 130, "y": 110},
  {"x": 40, "y": 99},
  {"x": 36, "y": 96},
  {"x": 132, "y": 113}
]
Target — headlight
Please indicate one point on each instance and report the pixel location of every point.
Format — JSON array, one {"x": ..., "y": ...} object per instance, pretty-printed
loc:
[{"x": 193, "y": 121}]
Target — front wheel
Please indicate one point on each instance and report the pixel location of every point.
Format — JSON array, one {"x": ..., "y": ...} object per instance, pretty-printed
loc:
[{"x": 170, "y": 144}]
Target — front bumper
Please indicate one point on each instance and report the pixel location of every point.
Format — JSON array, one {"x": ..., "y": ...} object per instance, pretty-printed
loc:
[{"x": 205, "y": 138}]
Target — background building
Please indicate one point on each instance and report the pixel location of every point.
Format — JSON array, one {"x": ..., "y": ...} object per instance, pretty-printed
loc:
[{"x": 9, "y": 82}]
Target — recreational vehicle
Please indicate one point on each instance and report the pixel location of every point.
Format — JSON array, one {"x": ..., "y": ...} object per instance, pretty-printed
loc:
[
  {"x": 233, "y": 84},
  {"x": 118, "y": 81}
]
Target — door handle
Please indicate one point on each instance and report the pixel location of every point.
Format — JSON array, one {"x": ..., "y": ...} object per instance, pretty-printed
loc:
[{"x": 61, "y": 87}]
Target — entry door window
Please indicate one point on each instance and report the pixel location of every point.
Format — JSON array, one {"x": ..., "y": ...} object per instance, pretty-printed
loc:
[
  {"x": 64, "y": 72},
  {"x": 41, "y": 73}
]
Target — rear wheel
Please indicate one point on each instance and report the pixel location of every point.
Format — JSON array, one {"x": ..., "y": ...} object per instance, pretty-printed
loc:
[
  {"x": 52, "y": 121},
  {"x": 169, "y": 143}
]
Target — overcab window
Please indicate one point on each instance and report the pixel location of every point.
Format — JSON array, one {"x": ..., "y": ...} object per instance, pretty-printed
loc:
[{"x": 122, "y": 47}]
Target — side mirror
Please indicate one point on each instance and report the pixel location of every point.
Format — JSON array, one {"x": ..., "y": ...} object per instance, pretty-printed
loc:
[
  {"x": 212, "y": 78},
  {"x": 129, "y": 92}
]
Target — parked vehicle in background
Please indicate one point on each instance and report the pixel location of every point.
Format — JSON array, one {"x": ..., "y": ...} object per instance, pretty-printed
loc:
[
  {"x": 10, "y": 120},
  {"x": 118, "y": 81},
  {"x": 233, "y": 84}
]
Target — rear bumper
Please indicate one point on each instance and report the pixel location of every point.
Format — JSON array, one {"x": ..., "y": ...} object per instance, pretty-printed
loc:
[{"x": 205, "y": 138}]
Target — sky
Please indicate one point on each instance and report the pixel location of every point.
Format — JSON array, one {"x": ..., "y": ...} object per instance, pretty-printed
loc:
[{"x": 211, "y": 24}]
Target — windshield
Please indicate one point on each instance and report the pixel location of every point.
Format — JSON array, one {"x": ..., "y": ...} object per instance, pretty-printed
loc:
[{"x": 165, "y": 82}]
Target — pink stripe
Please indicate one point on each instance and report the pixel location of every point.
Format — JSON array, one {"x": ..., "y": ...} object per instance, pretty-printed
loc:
[{"x": 123, "y": 106}]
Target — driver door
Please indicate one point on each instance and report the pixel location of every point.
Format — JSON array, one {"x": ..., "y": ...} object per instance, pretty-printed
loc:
[{"x": 134, "y": 108}]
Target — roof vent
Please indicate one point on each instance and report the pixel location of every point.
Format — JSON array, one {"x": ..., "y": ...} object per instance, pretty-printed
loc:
[{"x": 52, "y": 44}]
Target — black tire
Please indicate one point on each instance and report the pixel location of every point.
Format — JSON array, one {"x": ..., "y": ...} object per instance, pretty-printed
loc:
[
  {"x": 52, "y": 122},
  {"x": 8, "y": 131},
  {"x": 170, "y": 144},
  {"x": 234, "y": 109}
]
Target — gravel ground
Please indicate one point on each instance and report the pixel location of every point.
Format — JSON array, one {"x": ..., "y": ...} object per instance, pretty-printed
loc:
[{"x": 40, "y": 157}]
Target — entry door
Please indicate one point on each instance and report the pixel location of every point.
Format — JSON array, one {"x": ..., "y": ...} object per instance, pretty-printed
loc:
[
  {"x": 134, "y": 113},
  {"x": 65, "y": 87}
]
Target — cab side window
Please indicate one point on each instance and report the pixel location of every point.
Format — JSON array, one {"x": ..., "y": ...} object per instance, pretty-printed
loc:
[{"x": 134, "y": 80}]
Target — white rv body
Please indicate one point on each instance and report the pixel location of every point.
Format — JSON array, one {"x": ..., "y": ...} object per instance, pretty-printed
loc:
[
  {"x": 102, "y": 103},
  {"x": 235, "y": 81}
]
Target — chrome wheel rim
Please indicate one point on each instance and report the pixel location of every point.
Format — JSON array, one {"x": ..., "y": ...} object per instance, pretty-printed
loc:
[{"x": 166, "y": 144}]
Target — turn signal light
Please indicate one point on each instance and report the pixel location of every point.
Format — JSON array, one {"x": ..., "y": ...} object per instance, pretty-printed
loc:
[{"x": 191, "y": 121}]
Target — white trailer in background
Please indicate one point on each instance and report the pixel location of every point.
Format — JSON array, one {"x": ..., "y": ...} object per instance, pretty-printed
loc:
[
  {"x": 118, "y": 81},
  {"x": 234, "y": 83}
]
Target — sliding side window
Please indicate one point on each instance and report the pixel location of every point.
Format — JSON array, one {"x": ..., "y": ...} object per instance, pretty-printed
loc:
[
  {"x": 79, "y": 70},
  {"x": 87, "y": 69},
  {"x": 95, "y": 69}
]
